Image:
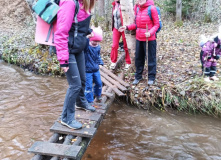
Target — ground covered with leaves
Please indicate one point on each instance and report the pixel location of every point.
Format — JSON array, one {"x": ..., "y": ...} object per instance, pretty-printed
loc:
[
  {"x": 179, "y": 81},
  {"x": 179, "y": 84}
]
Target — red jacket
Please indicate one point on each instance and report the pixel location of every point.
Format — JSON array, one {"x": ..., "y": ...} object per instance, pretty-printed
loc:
[
  {"x": 142, "y": 19},
  {"x": 121, "y": 17}
]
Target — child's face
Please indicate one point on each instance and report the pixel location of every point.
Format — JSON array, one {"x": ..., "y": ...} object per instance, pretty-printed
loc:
[{"x": 94, "y": 43}]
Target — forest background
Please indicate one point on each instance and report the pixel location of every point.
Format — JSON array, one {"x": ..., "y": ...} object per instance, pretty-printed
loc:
[{"x": 179, "y": 82}]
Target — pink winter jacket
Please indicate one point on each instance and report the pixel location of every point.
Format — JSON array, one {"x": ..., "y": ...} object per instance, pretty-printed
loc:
[
  {"x": 65, "y": 18},
  {"x": 143, "y": 19}
]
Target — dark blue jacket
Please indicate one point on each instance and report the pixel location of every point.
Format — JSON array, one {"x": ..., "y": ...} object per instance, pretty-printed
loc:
[{"x": 92, "y": 58}]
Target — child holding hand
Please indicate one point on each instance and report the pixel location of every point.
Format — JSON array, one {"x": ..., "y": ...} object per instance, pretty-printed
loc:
[{"x": 92, "y": 62}]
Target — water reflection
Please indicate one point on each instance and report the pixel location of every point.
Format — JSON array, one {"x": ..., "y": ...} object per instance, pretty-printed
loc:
[{"x": 29, "y": 105}]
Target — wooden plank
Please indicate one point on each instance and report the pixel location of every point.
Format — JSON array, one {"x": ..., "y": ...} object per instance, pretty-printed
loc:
[
  {"x": 114, "y": 76},
  {"x": 114, "y": 82},
  {"x": 84, "y": 132},
  {"x": 101, "y": 105},
  {"x": 53, "y": 149},
  {"x": 110, "y": 95},
  {"x": 81, "y": 114},
  {"x": 117, "y": 91}
]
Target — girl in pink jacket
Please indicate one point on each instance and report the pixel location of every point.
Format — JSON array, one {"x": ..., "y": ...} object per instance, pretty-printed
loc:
[{"x": 73, "y": 19}]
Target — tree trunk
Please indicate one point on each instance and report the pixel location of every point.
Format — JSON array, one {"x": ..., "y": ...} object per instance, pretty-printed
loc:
[
  {"x": 178, "y": 11},
  {"x": 209, "y": 7},
  {"x": 128, "y": 18},
  {"x": 106, "y": 11}
]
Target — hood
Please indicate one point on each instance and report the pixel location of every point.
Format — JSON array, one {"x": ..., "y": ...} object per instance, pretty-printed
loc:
[
  {"x": 113, "y": 3},
  {"x": 148, "y": 3}
]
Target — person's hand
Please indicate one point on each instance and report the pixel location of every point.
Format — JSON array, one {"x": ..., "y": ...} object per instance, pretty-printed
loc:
[
  {"x": 65, "y": 69},
  {"x": 147, "y": 34},
  {"x": 122, "y": 28},
  {"x": 90, "y": 35}
]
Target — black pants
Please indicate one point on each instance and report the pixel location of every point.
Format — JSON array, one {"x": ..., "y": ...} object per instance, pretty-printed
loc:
[
  {"x": 140, "y": 56},
  {"x": 201, "y": 60}
]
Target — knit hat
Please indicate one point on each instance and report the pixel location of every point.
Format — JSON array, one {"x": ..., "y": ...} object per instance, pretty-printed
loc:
[
  {"x": 203, "y": 40},
  {"x": 98, "y": 34}
]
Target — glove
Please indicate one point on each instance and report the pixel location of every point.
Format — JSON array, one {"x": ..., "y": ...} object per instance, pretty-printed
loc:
[{"x": 209, "y": 57}]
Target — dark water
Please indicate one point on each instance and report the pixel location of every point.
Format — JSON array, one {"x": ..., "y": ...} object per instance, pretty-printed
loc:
[{"x": 29, "y": 105}]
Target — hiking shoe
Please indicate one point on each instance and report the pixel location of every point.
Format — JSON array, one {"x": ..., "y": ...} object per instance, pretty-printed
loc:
[
  {"x": 150, "y": 82},
  {"x": 87, "y": 108},
  {"x": 214, "y": 78},
  {"x": 98, "y": 98},
  {"x": 207, "y": 79},
  {"x": 127, "y": 66},
  {"x": 73, "y": 125},
  {"x": 136, "y": 81},
  {"x": 113, "y": 65}
]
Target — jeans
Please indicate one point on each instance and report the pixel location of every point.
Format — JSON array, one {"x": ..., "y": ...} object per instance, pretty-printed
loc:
[
  {"x": 75, "y": 93},
  {"x": 140, "y": 56},
  {"x": 89, "y": 90}
]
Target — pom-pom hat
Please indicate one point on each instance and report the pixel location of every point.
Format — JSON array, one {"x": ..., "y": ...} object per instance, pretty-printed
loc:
[{"x": 98, "y": 34}]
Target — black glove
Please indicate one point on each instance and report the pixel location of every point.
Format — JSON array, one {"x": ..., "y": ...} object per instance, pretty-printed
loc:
[{"x": 209, "y": 57}]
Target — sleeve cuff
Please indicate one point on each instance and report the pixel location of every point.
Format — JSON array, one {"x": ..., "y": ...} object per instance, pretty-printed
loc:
[{"x": 64, "y": 65}]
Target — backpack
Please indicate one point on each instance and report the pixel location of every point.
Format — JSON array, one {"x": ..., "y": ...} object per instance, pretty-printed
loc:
[
  {"x": 47, "y": 11},
  {"x": 149, "y": 13}
]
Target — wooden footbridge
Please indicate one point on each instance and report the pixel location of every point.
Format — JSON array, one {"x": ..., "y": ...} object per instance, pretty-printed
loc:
[{"x": 69, "y": 144}]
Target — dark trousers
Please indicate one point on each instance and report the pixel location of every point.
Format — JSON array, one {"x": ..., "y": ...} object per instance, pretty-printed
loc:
[
  {"x": 201, "y": 60},
  {"x": 76, "y": 81},
  {"x": 140, "y": 56}
]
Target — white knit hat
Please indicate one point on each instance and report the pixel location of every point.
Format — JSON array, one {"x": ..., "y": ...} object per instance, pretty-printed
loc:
[{"x": 203, "y": 40}]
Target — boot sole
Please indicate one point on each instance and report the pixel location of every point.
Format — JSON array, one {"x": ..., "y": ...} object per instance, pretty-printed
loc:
[{"x": 65, "y": 124}]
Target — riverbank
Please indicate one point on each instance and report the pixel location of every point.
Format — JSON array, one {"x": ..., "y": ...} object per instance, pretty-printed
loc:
[{"x": 178, "y": 82}]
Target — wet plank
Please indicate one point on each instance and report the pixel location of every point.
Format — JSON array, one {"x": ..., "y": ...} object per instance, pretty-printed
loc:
[
  {"x": 115, "y": 89},
  {"x": 114, "y": 76},
  {"x": 114, "y": 82},
  {"x": 84, "y": 132},
  {"x": 53, "y": 149},
  {"x": 93, "y": 116}
]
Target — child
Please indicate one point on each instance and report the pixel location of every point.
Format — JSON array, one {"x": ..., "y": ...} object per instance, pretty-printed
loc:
[
  {"x": 92, "y": 62},
  {"x": 211, "y": 53}
]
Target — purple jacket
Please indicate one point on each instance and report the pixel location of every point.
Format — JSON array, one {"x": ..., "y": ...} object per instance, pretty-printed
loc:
[
  {"x": 65, "y": 18},
  {"x": 208, "y": 51}
]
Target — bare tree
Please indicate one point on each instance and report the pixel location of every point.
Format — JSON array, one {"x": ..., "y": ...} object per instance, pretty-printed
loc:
[
  {"x": 178, "y": 11},
  {"x": 128, "y": 18}
]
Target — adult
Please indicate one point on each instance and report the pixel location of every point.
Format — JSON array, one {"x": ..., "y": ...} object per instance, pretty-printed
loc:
[
  {"x": 142, "y": 20},
  {"x": 117, "y": 22},
  {"x": 73, "y": 19}
]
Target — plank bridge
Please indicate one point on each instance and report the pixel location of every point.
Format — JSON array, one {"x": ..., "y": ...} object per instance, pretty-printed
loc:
[{"x": 70, "y": 144}]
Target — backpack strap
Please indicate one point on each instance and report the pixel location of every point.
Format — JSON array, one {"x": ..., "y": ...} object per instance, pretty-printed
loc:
[
  {"x": 75, "y": 20},
  {"x": 75, "y": 17},
  {"x": 149, "y": 12}
]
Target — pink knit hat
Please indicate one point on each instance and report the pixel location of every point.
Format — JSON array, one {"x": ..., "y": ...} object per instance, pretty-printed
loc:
[{"x": 98, "y": 34}]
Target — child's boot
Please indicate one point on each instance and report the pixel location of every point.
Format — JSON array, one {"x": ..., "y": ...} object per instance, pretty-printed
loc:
[
  {"x": 207, "y": 79},
  {"x": 214, "y": 78}
]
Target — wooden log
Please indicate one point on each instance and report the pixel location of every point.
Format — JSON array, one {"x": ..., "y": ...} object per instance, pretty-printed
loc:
[
  {"x": 104, "y": 88},
  {"x": 114, "y": 82},
  {"x": 54, "y": 149},
  {"x": 109, "y": 95},
  {"x": 117, "y": 91},
  {"x": 114, "y": 76},
  {"x": 53, "y": 139},
  {"x": 84, "y": 132}
]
